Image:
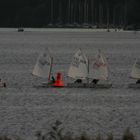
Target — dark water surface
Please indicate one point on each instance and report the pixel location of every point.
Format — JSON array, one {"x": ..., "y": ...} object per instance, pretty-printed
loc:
[{"x": 25, "y": 109}]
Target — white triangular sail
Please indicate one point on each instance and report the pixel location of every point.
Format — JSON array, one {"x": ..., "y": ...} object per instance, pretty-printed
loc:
[
  {"x": 135, "y": 73},
  {"x": 98, "y": 69},
  {"x": 79, "y": 66},
  {"x": 43, "y": 65}
]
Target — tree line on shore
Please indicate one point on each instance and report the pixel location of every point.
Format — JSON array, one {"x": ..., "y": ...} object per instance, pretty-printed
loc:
[{"x": 70, "y": 13}]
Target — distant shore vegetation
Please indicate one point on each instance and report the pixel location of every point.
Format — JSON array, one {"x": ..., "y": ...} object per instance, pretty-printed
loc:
[{"x": 71, "y": 13}]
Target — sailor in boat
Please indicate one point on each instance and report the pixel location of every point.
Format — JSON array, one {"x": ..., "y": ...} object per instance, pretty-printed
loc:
[
  {"x": 95, "y": 81},
  {"x": 138, "y": 81},
  {"x": 2, "y": 84},
  {"x": 78, "y": 81},
  {"x": 52, "y": 80}
]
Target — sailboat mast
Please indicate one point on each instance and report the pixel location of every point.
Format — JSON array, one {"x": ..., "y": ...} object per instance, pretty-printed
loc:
[
  {"x": 50, "y": 69},
  {"x": 88, "y": 72}
]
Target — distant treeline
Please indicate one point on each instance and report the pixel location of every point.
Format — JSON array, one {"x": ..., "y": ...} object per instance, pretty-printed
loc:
[{"x": 60, "y": 13}]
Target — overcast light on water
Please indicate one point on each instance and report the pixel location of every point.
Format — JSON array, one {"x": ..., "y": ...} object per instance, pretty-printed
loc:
[{"x": 25, "y": 109}]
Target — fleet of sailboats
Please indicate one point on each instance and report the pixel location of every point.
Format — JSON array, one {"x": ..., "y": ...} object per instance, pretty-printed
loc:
[{"x": 82, "y": 68}]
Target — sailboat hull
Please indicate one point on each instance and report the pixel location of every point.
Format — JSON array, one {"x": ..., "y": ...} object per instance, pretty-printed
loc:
[
  {"x": 134, "y": 85},
  {"x": 76, "y": 85},
  {"x": 91, "y": 85},
  {"x": 86, "y": 85}
]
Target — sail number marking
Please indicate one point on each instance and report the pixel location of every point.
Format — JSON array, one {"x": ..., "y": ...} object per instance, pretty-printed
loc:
[{"x": 76, "y": 62}]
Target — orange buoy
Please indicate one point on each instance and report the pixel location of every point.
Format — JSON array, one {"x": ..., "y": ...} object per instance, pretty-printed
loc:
[{"x": 58, "y": 82}]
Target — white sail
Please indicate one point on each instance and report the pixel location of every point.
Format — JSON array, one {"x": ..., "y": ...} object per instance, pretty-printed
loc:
[
  {"x": 79, "y": 66},
  {"x": 135, "y": 73},
  {"x": 98, "y": 69},
  {"x": 43, "y": 65}
]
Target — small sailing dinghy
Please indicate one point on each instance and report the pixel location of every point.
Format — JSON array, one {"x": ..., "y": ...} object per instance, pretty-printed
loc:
[
  {"x": 80, "y": 68},
  {"x": 98, "y": 71},
  {"x": 43, "y": 66},
  {"x": 20, "y": 29},
  {"x": 135, "y": 74}
]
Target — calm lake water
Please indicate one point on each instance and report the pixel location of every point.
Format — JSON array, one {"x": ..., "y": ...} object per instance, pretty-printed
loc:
[{"x": 25, "y": 109}]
